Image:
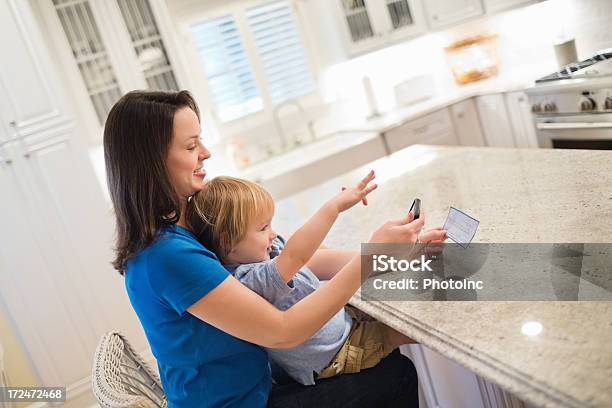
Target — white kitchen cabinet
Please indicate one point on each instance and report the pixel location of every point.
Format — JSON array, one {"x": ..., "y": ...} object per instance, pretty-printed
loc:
[
  {"x": 320, "y": 169},
  {"x": 467, "y": 123},
  {"x": 107, "y": 48},
  {"x": 495, "y": 120},
  {"x": 443, "y": 383},
  {"x": 433, "y": 129},
  {"x": 521, "y": 119},
  {"x": 494, "y": 6},
  {"x": 57, "y": 287},
  {"x": 441, "y": 13},
  {"x": 371, "y": 24}
]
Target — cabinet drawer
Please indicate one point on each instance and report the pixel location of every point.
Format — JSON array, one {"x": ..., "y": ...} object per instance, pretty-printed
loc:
[
  {"x": 445, "y": 12},
  {"x": 467, "y": 124},
  {"x": 428, "y": 129},
  {"x": 495, "y": 121}
]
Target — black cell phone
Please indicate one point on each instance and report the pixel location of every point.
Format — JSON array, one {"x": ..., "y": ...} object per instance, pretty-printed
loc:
[{"x": 415, "y": 208}]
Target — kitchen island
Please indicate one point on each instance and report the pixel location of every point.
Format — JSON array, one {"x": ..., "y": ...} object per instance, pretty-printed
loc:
[{"x": 519, "y": 196}]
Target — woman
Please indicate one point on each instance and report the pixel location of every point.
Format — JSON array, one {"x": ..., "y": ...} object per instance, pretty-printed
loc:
[{"x": 206, "y": 329}]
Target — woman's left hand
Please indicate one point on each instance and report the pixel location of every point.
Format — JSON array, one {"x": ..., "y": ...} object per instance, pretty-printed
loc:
[
  {"x": 433, "y": 236},
  {"x": 430, "y": 242}
]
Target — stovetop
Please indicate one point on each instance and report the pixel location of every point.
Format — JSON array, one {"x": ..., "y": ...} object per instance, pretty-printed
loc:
[{"x": 597, "y": 66}]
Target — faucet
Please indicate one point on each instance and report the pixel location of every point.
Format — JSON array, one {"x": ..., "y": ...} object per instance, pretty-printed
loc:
[{"x": 279, "y": 127}]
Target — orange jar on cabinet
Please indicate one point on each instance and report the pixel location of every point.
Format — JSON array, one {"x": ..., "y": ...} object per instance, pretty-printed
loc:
[{"x": 474, "y": 58}]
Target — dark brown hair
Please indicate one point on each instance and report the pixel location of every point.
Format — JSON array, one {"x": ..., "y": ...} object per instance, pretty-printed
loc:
[{"x": 137, "y": 137}]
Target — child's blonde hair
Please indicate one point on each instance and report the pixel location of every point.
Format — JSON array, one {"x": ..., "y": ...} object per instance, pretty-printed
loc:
[{"x": 220, "y": 213}]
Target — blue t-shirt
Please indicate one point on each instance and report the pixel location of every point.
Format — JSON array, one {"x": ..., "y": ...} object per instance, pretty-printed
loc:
[{"x": 199, "y": 365}]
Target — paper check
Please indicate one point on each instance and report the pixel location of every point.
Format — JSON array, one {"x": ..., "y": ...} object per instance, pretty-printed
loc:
[{"x": 460, "y": 227}]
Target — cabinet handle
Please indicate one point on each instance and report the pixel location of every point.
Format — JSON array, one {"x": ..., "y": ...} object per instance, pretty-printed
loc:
[
  {"x": 3, "y": 154},
  {"x": 3, "y": 150},
  {"x": 20, "y": 139},
  {"x": 574, "y": 125},
  {"x": 421, "y": 129}
]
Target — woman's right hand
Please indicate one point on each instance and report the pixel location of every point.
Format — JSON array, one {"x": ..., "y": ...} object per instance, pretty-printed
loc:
[
  {"x": 236, "y": 310},
  {"x": 402, "y": 231}
]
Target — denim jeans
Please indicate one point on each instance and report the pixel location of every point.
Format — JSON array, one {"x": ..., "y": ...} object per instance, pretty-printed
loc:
[{"x": 391, "y": 383}]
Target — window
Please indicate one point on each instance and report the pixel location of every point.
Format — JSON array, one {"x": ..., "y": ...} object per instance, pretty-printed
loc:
[
  {"x": 236, "y": 89},
  {"x": 280, "y": 51},
  {"x": 227, "y": 67}
]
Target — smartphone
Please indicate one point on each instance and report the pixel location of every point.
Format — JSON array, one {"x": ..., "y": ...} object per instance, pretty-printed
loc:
[{"x": 415, "y": 208}]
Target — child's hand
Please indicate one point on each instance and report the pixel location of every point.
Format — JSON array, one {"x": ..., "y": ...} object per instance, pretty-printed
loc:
[{"x": 351, "y": 196}]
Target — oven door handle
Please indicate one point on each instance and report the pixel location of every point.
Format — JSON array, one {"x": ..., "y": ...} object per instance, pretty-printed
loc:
[{"x": 574, "y": 125}]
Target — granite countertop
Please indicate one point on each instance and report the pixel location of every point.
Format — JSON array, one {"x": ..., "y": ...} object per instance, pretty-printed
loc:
[{"x": 519, "y": 196}]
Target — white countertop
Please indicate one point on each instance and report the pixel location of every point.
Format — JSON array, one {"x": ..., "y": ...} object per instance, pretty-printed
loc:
[
  {"x": 361, "y": 130},
  {"x": 305, "y": 155},
  {"x": 501, "y": 84}
]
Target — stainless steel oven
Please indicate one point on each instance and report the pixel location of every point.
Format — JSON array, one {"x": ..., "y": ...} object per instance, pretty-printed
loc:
[
  {"x": 575, "y": 131},
  {"x": 572, "y": 108}
]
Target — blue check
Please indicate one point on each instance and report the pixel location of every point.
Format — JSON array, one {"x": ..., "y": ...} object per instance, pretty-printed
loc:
[{"x": 460, "y": 227}]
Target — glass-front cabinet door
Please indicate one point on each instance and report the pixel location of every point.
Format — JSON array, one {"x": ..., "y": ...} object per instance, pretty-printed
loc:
[
  {"x": 399, "y": 13},
  {"x": 404, "y": 18},
  {"x": 358, "y": 20},
  {"x": 116, "y": 46},
  {"x": 372, "y": 24}
]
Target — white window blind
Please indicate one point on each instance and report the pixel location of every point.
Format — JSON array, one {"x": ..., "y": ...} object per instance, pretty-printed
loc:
[
  {"x": 280, "y": 51},
  {"x": 227, "y": 68}
]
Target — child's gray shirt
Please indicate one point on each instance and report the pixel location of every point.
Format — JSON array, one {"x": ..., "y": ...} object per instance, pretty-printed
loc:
[{"x": 317, "y": 352}]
